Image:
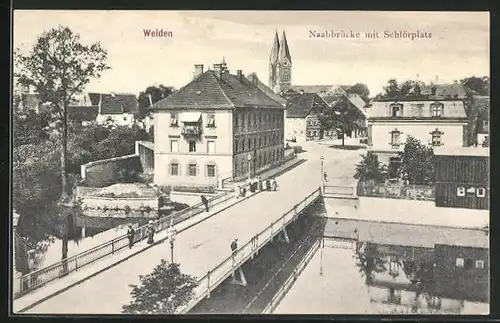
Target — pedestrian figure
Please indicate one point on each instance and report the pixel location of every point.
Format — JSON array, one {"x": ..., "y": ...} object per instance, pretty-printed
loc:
[
  {"x": 243, "y": 191},
  {"x": 261, "y": 184},
  {"x": 325, "y": 176},
  {"x": 238, "y": 191},
  {"x": 162, "y": 202},
  {"x": 131, "y": 236},
  {"x": 151, "y": 233},
  {"x": 268, "y": 184},
  {"x": 234, "y": 246},
  {"x": 274, "y": 184},
  {"x": 205, "y": 202}
]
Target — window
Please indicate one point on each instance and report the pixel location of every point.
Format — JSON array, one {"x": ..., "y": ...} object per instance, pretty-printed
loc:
[
  {"x": 396, "y": 110},
  {"x": 192, "y": 170},
  {"x": 211, "y": 120},
  {"x": 174, "y": 146},
  {"x": 192, "y": 146},
  {"x": 249, "y": 120},
  {"x": 480, "y": 192},
  {"x": 260, "y": 142},
  {"x": 395, "y": 139},
  {"x": 460, "y": 191},
  {"x": 211, "y": 170},
  {"x": 260, "y": 119},
  {"x": 173, "y": 120},
  {"x": 479, "y": 264},
  {"x": 459, "y": 262},
  {"x": 124, "y": 118},
  {"x": 236, "y": 146},
  {"x": 211, "y": 147},
  {"x": 249, "y": 144},
  {"x": 437, "y": 110},
  {"x": 469, "y": 264},
  {"x": 243, "y": 145},
  {"x": 174, "y": 169},
  {"x": 255, "y": 142},
  {"x": 436, "y": 138}
]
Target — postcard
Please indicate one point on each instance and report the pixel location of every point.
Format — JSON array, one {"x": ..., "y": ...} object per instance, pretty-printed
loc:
[{"x": 244, "y": 162}]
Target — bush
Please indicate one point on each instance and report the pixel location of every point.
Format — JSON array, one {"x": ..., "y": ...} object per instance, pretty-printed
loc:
[
  {"x": 363, "y": 141},
  {"x": 195, "y": 189}
]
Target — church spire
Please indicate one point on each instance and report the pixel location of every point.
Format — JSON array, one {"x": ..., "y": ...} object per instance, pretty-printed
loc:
[
  {"x": 284, "y": 52},
  {"x": 273, "y": 58}
]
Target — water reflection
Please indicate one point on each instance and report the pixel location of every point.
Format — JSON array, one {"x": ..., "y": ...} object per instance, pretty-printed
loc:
[{"x": 423, "y": 280}]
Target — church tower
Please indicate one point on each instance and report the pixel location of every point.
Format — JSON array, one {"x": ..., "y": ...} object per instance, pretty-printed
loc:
[
  {"x": 280, "y": 65},
  {"x": 273, "y": 62}
]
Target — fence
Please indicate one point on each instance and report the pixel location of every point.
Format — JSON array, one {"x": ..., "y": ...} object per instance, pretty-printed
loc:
[
  {"x": 218, "y": 274},
  {"x": 38, "y": 278},
  {"x": 396, "y": 191},
  {"x": 291, "y": 280},
  {"x": 339, "y": 190}
]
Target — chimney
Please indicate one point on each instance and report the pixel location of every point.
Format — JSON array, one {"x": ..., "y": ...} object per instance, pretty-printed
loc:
[
  {"x": 239, "y": 73},
  {"x": 217, "y": 69},
  {"x": 198, "y": 70}
]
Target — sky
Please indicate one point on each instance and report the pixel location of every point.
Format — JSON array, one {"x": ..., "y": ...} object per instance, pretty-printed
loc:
[{"x": 458, "y": 47}]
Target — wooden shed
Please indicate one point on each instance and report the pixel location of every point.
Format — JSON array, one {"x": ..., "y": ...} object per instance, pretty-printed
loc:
[{"x": 462, "y": 177}]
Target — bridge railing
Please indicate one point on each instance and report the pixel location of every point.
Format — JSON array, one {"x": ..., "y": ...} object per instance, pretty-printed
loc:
[
  {"x": 227, "y": 267},
  {"x": 40, "y": 277}
]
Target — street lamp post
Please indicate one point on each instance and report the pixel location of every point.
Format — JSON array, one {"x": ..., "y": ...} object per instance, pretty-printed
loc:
[
  {"x": 249, "y": 159},
  {"x": 171, "y": 236},
  {"x": 322, "y": 174}
]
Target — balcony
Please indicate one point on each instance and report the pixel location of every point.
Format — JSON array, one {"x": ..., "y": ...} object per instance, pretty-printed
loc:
[{"x": 191, "y": 131}]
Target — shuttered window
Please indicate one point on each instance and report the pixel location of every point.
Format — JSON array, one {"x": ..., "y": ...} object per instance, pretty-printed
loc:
[{"x": 192, "y": 169}]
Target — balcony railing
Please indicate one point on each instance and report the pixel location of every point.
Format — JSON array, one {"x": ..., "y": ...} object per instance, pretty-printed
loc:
[
  {"x": 191, "y": 131},
  {"x": 396, "y": 191}
]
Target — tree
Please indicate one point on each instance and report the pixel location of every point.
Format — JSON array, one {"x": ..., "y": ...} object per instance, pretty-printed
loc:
[
  {"x": 360, "y": 89},
  {"x": 393, "y": 89},
  {"x": 340, "y": 116},
  {"x": 157, "y": 93},
  {"x": 417, "y": 162},
  {"x": 162, "y": 292},
  {"x": 59, "y": 67},
  {"x": 481, "y": 85},
  {"x": 370, "y": 168}
]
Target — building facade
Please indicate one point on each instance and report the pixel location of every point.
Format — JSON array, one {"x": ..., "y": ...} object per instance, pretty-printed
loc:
[
  {"x": 435, "y": 121},
  {"x": 218, "y": 126},
  {"x": 302, "y": 117},
  {"x": 462, "y": 177}
]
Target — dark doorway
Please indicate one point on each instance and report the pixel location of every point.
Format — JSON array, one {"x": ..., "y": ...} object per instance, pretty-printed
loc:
[{"x": 394, "y": 165}]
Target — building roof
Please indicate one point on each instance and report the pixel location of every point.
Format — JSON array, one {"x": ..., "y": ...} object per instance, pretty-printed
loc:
[
  {"x": 252, "y": 77},
  {"x": 83, "y": 113},
  {"x": 118, "y": 103},
  {"x": 454, "y": 90},
  {"x": 462, "y": 151},
  {"x": 213, "y": 90},
  {"x": 381, "y": 109},
  {"x": 321, "y": 90},
  {"x": 300, "y": 106},
  {"x": 353, "y": 98}
]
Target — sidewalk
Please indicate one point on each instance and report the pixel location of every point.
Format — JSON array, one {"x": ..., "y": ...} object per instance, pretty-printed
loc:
[
  {"x": 56, "y": 287},
  {"x": 273, "y": 172}
]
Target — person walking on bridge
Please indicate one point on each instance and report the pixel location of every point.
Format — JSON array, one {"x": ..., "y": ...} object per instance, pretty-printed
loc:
[
  {"x": 234, "y": 246},
  {"x": 131, "y": 235},
  {"x": 205, "y": 202}
]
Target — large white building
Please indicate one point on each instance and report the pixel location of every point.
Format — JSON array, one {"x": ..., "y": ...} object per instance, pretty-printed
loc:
[{"x": 436, "y": 117}]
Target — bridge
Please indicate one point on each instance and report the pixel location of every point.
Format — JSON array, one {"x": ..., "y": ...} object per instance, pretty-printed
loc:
[{"x": 202, "y": 250}]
